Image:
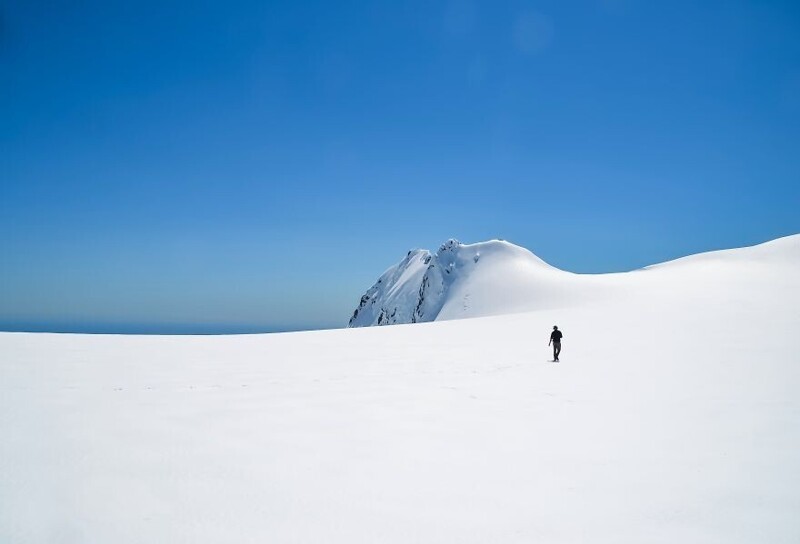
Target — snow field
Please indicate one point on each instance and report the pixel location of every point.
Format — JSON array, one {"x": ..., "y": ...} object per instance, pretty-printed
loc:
[{"x": 673, "y": 417}]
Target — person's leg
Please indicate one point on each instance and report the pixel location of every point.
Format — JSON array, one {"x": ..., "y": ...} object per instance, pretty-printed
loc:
[
  {"x": 557, "y": 350},
  {"x": 555, "y": 353}
]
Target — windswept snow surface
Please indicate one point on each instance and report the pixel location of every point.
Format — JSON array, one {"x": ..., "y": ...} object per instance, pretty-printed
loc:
[{"x": 674, "y": 417}]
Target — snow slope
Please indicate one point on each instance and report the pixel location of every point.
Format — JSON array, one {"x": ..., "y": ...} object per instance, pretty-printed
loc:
[
  {"x": 674, "y": 417},
  {"x": 497, "y": 277}
]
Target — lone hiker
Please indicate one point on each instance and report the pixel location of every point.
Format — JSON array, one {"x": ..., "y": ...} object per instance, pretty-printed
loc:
[{"x": 555, "y": 339}]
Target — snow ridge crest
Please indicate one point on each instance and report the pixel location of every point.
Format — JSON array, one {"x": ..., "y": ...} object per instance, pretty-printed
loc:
[{"x": 416, "y": 289}]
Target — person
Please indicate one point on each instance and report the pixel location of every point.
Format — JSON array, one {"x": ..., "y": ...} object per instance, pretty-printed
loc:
[{"x": 555, "y": 339}]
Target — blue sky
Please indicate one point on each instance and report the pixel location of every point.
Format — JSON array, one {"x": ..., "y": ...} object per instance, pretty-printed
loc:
[{"x": 221, "y": 166}]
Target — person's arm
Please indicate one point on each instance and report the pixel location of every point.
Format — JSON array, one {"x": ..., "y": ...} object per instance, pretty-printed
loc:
[{"x": 551, "y": 339}]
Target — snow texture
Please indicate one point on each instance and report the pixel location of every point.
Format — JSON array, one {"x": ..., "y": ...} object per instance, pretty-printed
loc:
[{"x": 673, "y": 416}]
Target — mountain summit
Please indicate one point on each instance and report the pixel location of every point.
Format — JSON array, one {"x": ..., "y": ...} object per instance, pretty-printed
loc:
[{"x": 459, "y": 280}]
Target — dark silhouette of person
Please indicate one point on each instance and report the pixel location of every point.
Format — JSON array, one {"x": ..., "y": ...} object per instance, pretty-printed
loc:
[{"x": 555, "y": 339}]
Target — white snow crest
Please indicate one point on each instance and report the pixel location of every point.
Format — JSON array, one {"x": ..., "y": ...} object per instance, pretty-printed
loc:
[
  {"x": 418, "y": 288},
  {"x": 497, "y": 277}
]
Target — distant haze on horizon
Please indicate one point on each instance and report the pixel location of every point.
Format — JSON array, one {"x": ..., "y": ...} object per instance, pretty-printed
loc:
[{"x": 251, "y": 166}]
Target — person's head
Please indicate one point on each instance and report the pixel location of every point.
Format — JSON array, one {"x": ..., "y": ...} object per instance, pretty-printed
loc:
[{"x": 555, "y": 327}]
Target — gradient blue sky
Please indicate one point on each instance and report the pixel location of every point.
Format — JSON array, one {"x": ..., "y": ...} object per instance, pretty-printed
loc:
[{"x": 220, "y": 166}]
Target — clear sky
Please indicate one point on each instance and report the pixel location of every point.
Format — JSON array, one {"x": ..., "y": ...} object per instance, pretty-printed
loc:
[{"x": 219, "y": 166}]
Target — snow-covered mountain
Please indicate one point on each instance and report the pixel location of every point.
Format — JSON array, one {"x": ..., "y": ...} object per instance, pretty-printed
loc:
[
  {"x": 497, "y": 277},
  {"x": 459, "y": 280}
]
